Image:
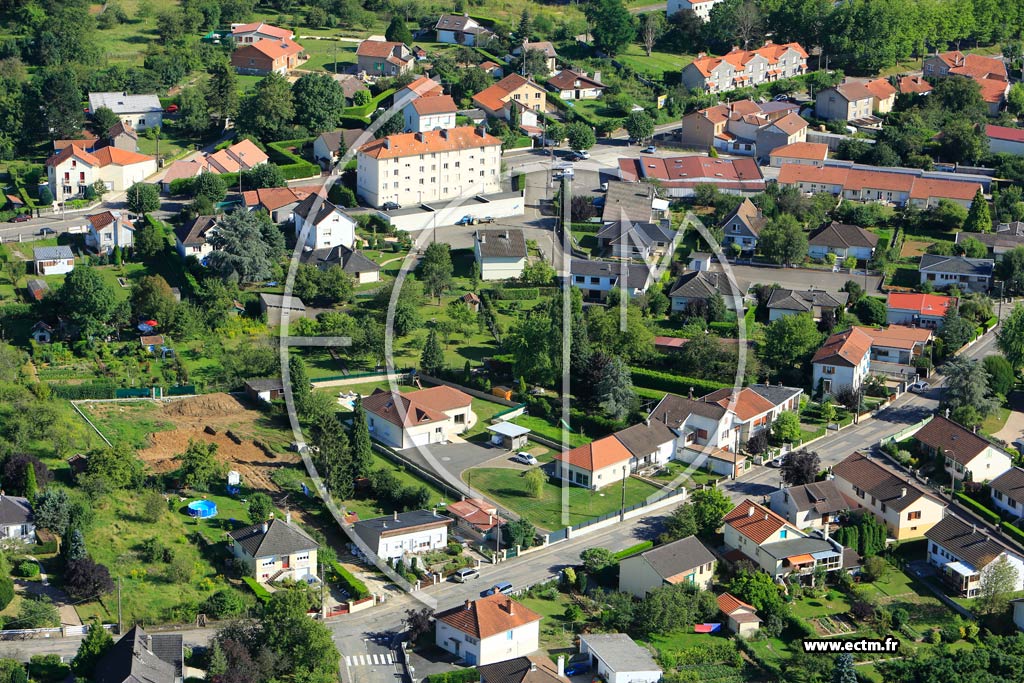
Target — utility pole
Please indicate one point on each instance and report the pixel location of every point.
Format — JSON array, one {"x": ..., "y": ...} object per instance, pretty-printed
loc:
[
  {"x": 622, "y": 503},
  {"x": 120, "y": 624}
]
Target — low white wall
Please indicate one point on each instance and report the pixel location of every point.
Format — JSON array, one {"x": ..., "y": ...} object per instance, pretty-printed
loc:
[{"x": 448, "y": 215}]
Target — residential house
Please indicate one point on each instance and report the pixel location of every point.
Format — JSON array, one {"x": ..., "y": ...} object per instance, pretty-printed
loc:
[
  {"x": 412, "y": 168},
  {"x": 421, "y": 87},
  {"x": 544, "y": 47},
  {"x": 529, "y": 669},
  {"x": 72, "y": 171},
  {"x": 361, "y": 269},
  {"x": 501, "y": 253},
  {"x": 650, "y": 443},
  {"x": 781, "y": 397},
  {"x": 897, "y": 186},
  {"x": 679, "y": 177},
  {"x": 917, "y": 310},
  {"x": 596, "y": 278},
  {"x": 749, "y": 526},
  {"x": 275, "y": 550},
  {"x": 753, "y": 412},
  {"x": 707, "y": 434},
  {"x": 383, "y": 58},
  {"x": 280, "y": 309},
  {"x": 404, "y": 533},
  {"x": 813, "y": 506},
  {"x": 802, "y": 554},
  {"x": 966, "y": 455},
  {"x": 461, "y": 30},
  {"x": 241, "y": 156},
  {"x": 634, "y": 202},
  {"x": 1004, "y": 140},
  {"x": 744, "y": 127},
  {"x": 492, "y": 69},
  {"x": 805, "y": 153},
  {"x": 783, "y": 302},
  {"x": 697, "y": 288},
  {"x": 264, "y": 389},
  {"x": 193, "y": 238},
  {"x": 330, "y": 147},
  {"x": 701, "y": 8},
  {"x": 616, "y": 658},
  {"x": 513, "y": 91},
  {"x": 417, "y": 418},
  {"x": 745, "y": 68},
  {"x": 246, "y": 34},
  {"x": 791, "y": 129},
  {"x": 183, "y": 169},
  {"x": 914, "y": 85},
  {"x": 85, "y": 140},
  {"x": 138, "y": 111},
  {"x": 643, "y": 241},
  {"x": 268, "y": 56},
  {"x": 596, "y": 464},
  {"x": 988, "y": 72},
  {"x": 328, "y": 225},
  {"x": 907, "y": 509},
  {"x": 350, "y": 85},
  {"x": 279, "y": 202},
  {"x": 1007, "y": 492},
  {"x": 741, "y": 618},
  {"x": 53, "y": 260},
  {"x": 743, "y": 226},
  {"x": 849, "y": 101},
  {"x": 897, "y": 344},
  {"x": 884, "y": 95},
  {"x": 1007, "y": 237},
  {"x": 109, "y": 230},
  {"x": 123, "y": 136},
  {"x": 139, "y": 656},
  {"x": 430, "y": 113},
  {"x": 686, "y": 561},
  {"x": 967, "y": 274},
  {"x": 476, "y": 517},
  {"x": 16, "y": 520},
  {"x": 964, "y": 554},
  {"x": 488, "y": 630},
  {"x": 842, "y": 240},
  {"x": 577, "y": 85},
  {"x": 842, "y": 361}
]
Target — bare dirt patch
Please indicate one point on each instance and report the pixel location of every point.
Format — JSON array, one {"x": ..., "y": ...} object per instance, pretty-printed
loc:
[
  {"x": 913, "y": 248},
  {"x": 220, "y": 413}
]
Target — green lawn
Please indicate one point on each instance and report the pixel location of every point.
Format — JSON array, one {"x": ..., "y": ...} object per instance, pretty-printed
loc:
[
  {"x": 368, "y": 508},
  {"x": 996, "y": 421},
  {"x": 506, "y": 486},
  {"x": 548, "y": 430},
  {"x": 485, "y": 410},
  {"x": 326, "y": 54},
  {"x": 833, "y": 602},
  {"x": 131, "y": 422},
  {"x": 656, "y": 65}
]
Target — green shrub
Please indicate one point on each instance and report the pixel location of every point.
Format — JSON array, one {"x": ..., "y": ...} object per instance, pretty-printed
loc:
[
  {"x": 356, "y": 588},
  {"x": 978, "y": 507},
  {"x": 676, "y": 384},
  {"x": 633, "y": 550},
  {"x": 470, "y": 675},
  {"x": 27, "y": 569},
  {"x": 262, "y": 594},
  {"x": 1013, "y": 531},
  {"x": 225, "y": 603}
]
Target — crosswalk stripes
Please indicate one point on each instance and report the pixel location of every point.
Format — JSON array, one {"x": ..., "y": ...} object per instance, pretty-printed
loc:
[{"x": 385, "y": 659}]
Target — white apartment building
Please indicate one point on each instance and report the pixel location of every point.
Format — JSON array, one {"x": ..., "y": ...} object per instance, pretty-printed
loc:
[
  {"x": 702, "y": 8},
  {"x": 430, "y": 113},
  {"x": 412, "y": 168}
]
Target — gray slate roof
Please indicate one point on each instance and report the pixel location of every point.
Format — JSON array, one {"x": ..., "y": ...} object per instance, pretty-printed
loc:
[
  {"x": 792, "y": 300},
  {"x": 277, "y": 301},
  {"x": 637, "y": 275},
  {"x": 628, "y": 201},
  {"x": 14, "y": 510},
  {"x": 703, "y": 284},
  {"x": 645, "y": 438},
  {"x": 842, "y": 236},
  {"x": 822, "y": 496},
  {"x": 265, "y": 384},
  {"x": 370, "y": 530},
  {"x": 965, "y": 541},
  {"x": 960, "y": 265},
  {"x": 139, "y": 657},
  {"x": 870, "y": 475},
  {"x": 123, "y": 103},
  {"x": 642, "y": 234},
  {"x": 677, "y": 557},
  {"x": 673, "y": 410},
  {"x": 1007, "y": 235},
  {"x": 195, "y": 233},
  {"x": 620, "y": 653},
  {"x": 351, "y": 262},
  {"x": 326, "y": 208},
  {"x": 775, "y": 393},
  {"x": 281, "y": 538},
  {"x": 1010, "y": 483},
  {"x": 53, "y": 253},
  {"x": 501, "y": 243}
]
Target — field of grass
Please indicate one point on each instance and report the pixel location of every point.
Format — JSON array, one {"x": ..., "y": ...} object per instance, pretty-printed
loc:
[
  {"x": 506, "y": 486},
  {"x": 546, "y": 429},
  {"x": 556, "y": 634},
  {"x": 133, "y": 423},
  {"x": 658, "y": 63},
  {"x": 996, "y": 421},
  {"x": 328, "y": 55},
  {"x": 833, "y": 602}
]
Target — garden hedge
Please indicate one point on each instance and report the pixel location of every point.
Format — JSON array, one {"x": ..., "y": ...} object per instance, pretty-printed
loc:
[
  {"x": 670, "y": 382},
  {"x": 470, "y": 675},
  {"x": 633, "y": 550},
  {"x": 292, "y": 165},
  {"x": 977, "y": 507},
  {"x": 1013, "y": 531},
  {"x": 369, "y": 107},
  {"x": 356, "y": 588},
  {"x": 261, "y": 593}
]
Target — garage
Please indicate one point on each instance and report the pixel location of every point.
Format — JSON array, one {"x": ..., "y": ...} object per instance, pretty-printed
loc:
[{"x": 420, "y": 439}]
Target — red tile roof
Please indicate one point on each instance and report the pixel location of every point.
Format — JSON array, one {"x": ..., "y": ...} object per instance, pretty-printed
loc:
[
  {"x": 754, "y": 521},
  {"x": 120, "y": 157},
  {"x": 493, "y": 98},
  {"x": 856, "y": 180},
  {"x": 274, "y": 49},
  {"x": 746, "y": 403},
  {"x": 739, "y": 58},
  {"x": 260, "y": 27},
  {"x": 951, "y": 439},
  {"x": 729, "y": 603},
  {"x": 989, "y": 72},
  {"x": 924, "y": 304},
  {"x": 846, "y": 348},
  {"x": 416, "y": 407},
  {"x": 914, "y": 84},
  {"x": 377, "y": 48},
  {"x": 439, "y": 104},
  {"x": 596, "y": 455},
  {"x": 413, "y": 144},
  {"x": 476, "y": 512},
  {"x": 425, "y": 87},
  {"x": 817, "y": 151},
  {"x": 881, "y": 88},
  {"x": 1004, "y": 133},
  {"x": 694, "y": 170},
  {"x": 488, "y": 616},
  {"x": 897, "y": 336}
]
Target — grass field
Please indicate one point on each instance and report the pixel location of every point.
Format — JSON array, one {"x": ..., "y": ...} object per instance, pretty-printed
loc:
[
  {"x": 328, "y": 54},
  {"x": 133, "y": 423},
  {"x": 833, "y": 602},
  {"x": 656, "y": 65},
  {"x": 543, "y": 428},
  {"x": 556, "y": 634},
  {"x": 506, "y": 486}
]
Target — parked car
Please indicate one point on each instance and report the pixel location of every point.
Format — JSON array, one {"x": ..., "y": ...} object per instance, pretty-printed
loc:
[
  {"x": 650, "y": 149},
  {"x": 391, "y": 206},
  {"x": 577, "y": 668},
  {"x": 46, "y": 231},
  {"x": 525, "y": 458},
  {"x": 582, "y": 154},
  {"x": 465, "y": 574},
  {"x": 466, "y": 220},
  {"x": 777, "y": 462},
  {"x": 919, "y": 387},
  {"x": 171, "y": 109},
  {"x": 501, "y": 587},
  {"x": 486, "y": 219},
  {"x": 21, "y": 218}
]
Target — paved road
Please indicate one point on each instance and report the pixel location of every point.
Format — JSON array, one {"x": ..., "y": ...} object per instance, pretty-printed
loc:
[{"x": 803, "y": 278}]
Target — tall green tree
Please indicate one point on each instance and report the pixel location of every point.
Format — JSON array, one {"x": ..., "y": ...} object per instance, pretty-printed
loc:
[
  {"x": 614, "y": 390},
  {"x": 301, "y": 388},
  {"x": 639, "y": 125},
  {"x": 1010, "y": 337},
  {"x": 268, "y": 110},
  {"x": 96, "y": 643},
  {"x": 437, "y": 268},
  {"x": 142, "y": 197},
  {"x": 844, "y": 672},
  {"x": 319, "y": 100},
  {"x": 222, "y": 92},
  {"x": 580, "y": 135},
  {"x": 709, "y": 507},
  {"x": 611, "y": 25},
  {"x": 259, "y": 507},
  {"x": 302, "y": 646},
  {"x": 783, "y": 240},
  {"x": 150, "y": 240},
  {"x": 334, "y": 460},
  {"x": 791, "y": 340},
  {"x": 60, "y": 96},
  {"x": 967, "y": 393},
  {"x": 432, "y": 358},
  {"x": 978, "y": 217},
  {"x": 194, "y": 112},
  {"x": 398, "y": 31},
  {"x": 244, "y": 247},
  {"x": 103, "y": 119},
  {"x": 1000, "y": 374},
  {"x": 89, "y": 301},
  {"x": 199, "y": 466},
  {"x": 359, "y": 436},
  {"x": 152, "y": 297},
  {"x": 998, "y": 582}
]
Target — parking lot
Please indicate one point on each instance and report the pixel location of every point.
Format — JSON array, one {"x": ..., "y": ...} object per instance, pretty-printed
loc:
[{"x": 804, "y": 278}]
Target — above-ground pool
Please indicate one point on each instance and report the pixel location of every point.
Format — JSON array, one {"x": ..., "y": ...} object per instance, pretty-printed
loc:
[{"x": 202, "y": 508}]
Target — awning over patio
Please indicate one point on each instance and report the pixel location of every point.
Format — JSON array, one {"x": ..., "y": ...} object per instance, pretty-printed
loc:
[
  {"x": 960, "y": 568},
  {"x": 799, "y": 559},
  {"x": 508, "y": 429}
]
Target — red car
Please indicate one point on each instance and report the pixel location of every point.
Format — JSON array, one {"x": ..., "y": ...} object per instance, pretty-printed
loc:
[
  {"x": 21, "y": 218},
  {"x": 171, "y": 109}
]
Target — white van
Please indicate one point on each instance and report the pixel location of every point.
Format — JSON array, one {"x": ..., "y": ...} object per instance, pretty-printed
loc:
[{"x": 466, "y": 573}]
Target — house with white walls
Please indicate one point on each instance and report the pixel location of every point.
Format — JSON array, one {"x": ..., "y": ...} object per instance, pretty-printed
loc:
[
  {"x": 404, "y": 533},
  {"x": 966, "y": 455},
  {"x": 686, "y": 561},
  {"x": 844, "y": 360},
  {"x": 963, "y": 554},
  {"x": 329, "y": 225},
  {"x": 491, "y": 629},
  {"x": 1007, "y": 492}
]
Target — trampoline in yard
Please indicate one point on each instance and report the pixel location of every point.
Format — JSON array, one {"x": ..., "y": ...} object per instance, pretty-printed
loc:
[{"x": 202, "y": 509}]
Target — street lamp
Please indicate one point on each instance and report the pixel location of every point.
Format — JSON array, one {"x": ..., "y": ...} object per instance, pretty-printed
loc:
[{"x": 241, "y": 157}]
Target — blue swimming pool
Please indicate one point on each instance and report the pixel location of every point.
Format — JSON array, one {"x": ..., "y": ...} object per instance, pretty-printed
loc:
[{"x": 202, "y": 508}]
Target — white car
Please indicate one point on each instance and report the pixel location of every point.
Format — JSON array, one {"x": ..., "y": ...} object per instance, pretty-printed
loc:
[
  {"x": 777, "y": 462},
  {"x": 525, "y": 458},
  {"x": 919, "y": 387}
]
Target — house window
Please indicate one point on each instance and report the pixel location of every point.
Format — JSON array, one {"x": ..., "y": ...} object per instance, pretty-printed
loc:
[
  {"x": 828, "y": 370},
  {"x": 508, "y": 635},
  {"x": 783, "y": 534},
  {"x": 914, "y": 515}
]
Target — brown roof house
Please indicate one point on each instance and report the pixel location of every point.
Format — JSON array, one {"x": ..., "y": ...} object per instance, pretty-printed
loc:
[
  {"x": 488, "y": 630},
  {"x": 963, "y": 554},
  {"x": 783, "y": 302},
  {"x": 268, "y": 56},
  {"x": 275, "y": 550},
  {"x": 476, "y": 517},
  {"x": 686, "y": 561},
  {"x": 842, "y": 361},
  {"x": 743, "y": 226},
  {"x": 843, "y": 241},
  {"x": 544, "y": 47},
  {"x": 1007, "y": 491},
  {"x": 741, "y": 618},
  {"x": 750, "y": 525},
  {"x": 906, "y": 508},
  {"x": 418, "y": 418},
  {"x": 383, "y": 58},
  {"x": 848, "y": 101},
  {"x": 513, "y": 91},
  {"x": 461, "y": 30},
  {"x": 809, "y": 506},
  {"x": 967, "y": 456},
  {"x": 577, "y": 85},
  {"x": 988, "y": 72}
]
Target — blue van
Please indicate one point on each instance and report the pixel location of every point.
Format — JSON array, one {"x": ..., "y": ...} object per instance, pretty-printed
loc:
[{"x": 503, "y": 587}]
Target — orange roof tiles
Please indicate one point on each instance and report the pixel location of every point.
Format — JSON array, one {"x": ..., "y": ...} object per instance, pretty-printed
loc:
[
  {"x": 413, "y": 144},
  {"x": 989, "y": 72},
  {"x": 739, "y": 58},
  {"x": 845, "y": 348},
  {"x": 897, "y": 336},
  {"x": 729, "y": 603},
  {"x": 493, "y": 98},
  {"x": 746, "y": 403},
  {"x": 924, "y": 304},
  {"x": 425, "y": 87},
  {"x": 274, "y": 48},
  {"x": 596, "y": 455},
  {"x": 63, "y": 155},
  {"x": 260, "y": 27},
  {"x": 881, "y": 88},
  {"x": 857, "y": 180},
  {"x": 817, "y": 151},
  {"x": 754, "y": 521},
  {"x": 914, "y": 84},
  {"x": 377, "y": 48},
  {"x": 439, "y": 104},
  {"x": 488, "y": 616}
]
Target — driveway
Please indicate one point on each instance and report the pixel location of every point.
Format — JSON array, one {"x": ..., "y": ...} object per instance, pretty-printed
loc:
[
  {"x": 1014, "y": 426},
  {"x": 456, "y": 457},
  {"x": 803, "y": 278}
]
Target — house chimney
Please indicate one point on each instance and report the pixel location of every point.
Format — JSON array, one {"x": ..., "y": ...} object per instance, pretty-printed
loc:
[
  {"x": 903, "y": 492},
  {"x": 690, "y": 394},
  {"x": 419, "y": 136},
  {"x": 766, "y": 516},
  {"x": 482, "y": 236},
  {"x": 597, "y": 76},
  {"x": 750, "y": 511},
  {"x": 974, "y": 529},
  {"x": 469, "y": 605},
  {"x": 435, "y": 511},
  {"x": 444, "y": 133},
  {"x": 702, "y": 55},
  {"x": 511, "y": 608},
  {"x": 647, "y": 422},
  {"x": 288, "y": 517},
  {"x": 490, "y": 520},
  {"x": 504, "y": 235},
  {"x": 396, "y": 515},
  {"x": 265, "y": 527},
  {"x": 533, "y": 665},
  {"x": 561, "y": 665},
  {"x": 387, "y": 142},
  {"x": 480, "y": 131}
]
